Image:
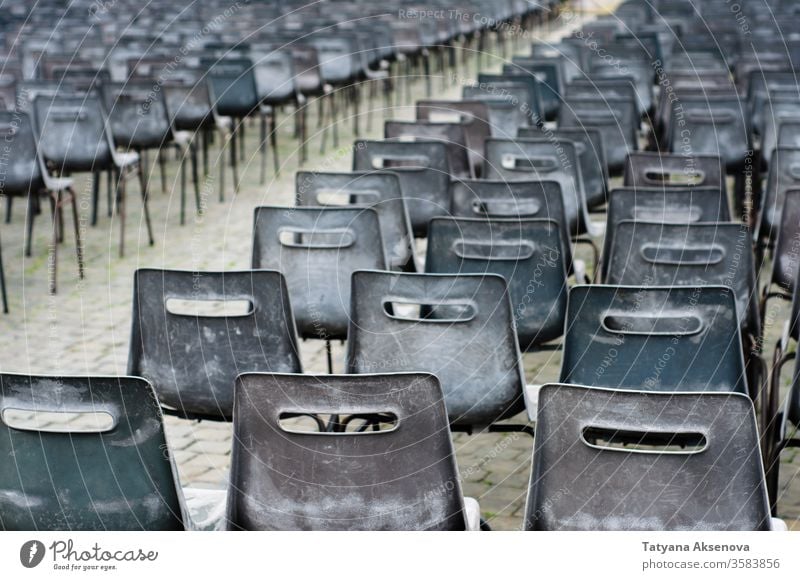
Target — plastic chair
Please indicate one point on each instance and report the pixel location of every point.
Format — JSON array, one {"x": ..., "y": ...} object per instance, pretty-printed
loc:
[
  {"x": 422, "y": 168},
  {"x": 108, "y": 468},
  {"x": 457, "y": 327},
  {"x": 652, "y": 170},
  {"x": 627, "y": 460},
  {"x": 287, "y": 477},
  {"x": 653, "y": 338},
  {"x": 194, "y": 332},
  {"x": 378, "y": 190},
  {"x": 526, "y": 252},
  {"x": 453, "y": 135}
]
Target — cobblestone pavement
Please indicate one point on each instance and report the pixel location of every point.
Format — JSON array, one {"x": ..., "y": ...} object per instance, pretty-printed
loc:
[{"x": 85, "y": 327}]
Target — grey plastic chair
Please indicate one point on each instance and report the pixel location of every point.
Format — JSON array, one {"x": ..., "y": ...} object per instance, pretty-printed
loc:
[
  {"x": 616, "y": 118},
  {"x": 688, "y": 255},
  {"x": 653, "y": 338},
  {"x": 506, "y": 115},
  {"x": 108, "y": 468},
  {"x": 626, "y": 460},
  {"x": 649, "y": 169},
  {"x": 550, "y": 159},
  {"x": 378, "y": 190},
  {"x": 784, "y": 174},
  {"x": 457, "y": 327},
  {"x": 453, "y": 135},
  {"x": 591, "y": 154},
  {"x": 194, "y": 332},
  {"x": 674, "y": 205},
  {"x": 317, "y": 250},
  {"x": 403, "y": 477},
  {"x": 422, "y": 168},
  {"x": 526, "y": 252},
  {"x": 487, "y": 199}
]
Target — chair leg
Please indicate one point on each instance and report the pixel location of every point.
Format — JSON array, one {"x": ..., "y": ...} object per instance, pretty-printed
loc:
[
  {"x": 273, "y": 138},
  {"x": 143, "y": 188},
  {"x": 9, "y": 205},
  {"x": 262, "y": 145},
  {"x": 95, "y": 196},
  {"x": 54, "y": 203},
  {"x": 237, "y": 128},
  {"x": 30, "y": 214},
  {"x": 162, "y": 166},
  {"x": 183, "y": 189},
  {"x": 3, "y": 281},
  {"x": 76, "y": 223},
  {"x": 205, "y": 135},
  {"x": 334, "y": 118},
  {"x": 356, "y": 95},
  {"x": 109, "y": 192},
  {"x": 195, "y": 177},
  {"x": 121, "y": 208},
  {"x": 303, "y": 120},
  {"x": 221, "y": 163},
  {"x": 329, "y": 355}
]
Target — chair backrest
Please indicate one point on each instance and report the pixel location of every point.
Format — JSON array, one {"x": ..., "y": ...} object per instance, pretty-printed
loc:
[
  {"x": 653, "y": 338},
  {"x": 616, "y": 118},
  {"x": 103, "y": 464},
  {"x": 692, "y": 462},
  {"x": 379, "y": 190},
  {"x": 784, "y": 174},
  {"x": 457, "y": 327},
  {"x": 274, "y": 73},
  {"x": 194, "y": 332},
  {"x": 673, "y": 205},
  {"x": 777, "y": 111},
  {"x": 688, "y": 255},
  {"x": 452, "y": 135},
  {"x": 532, "y": 103},
  {"x": 712, "y": 126},
  {"x": 400, "y": 478},
  {"x": 72, "y": 132},
  {"x": 22, "y": 166},
  {"x": 591, "y": 155},
  {"x": 339, "y": 58},
  {"x": 786, "y": 255},
  {"x": 474, "y": 118},
  {"x": 506, "y": 113},
  {"x": 550, "y": 76},
  {"x": 317, "y": 249},
  {"x": 648, "y": 169},
  {"x": 137, "y": 114},
  {"x": 483, "y": 198},
  {"x": 232, "y": 85},
  {"x": 526, "y": 252},
  {"x": 550, "y": 159},
  {"x": 422, "y": 168}
]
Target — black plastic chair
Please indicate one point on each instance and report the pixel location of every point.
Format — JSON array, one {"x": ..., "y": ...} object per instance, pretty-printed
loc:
[
  {"x": 317, "y": 250},
  {"x": 651, "y": 170},
  {"x": 784, "y": 174},
  {"x": 673, "y": 205},
  {"x": 457, "y": 327},
  {"x": 74, "y": 136},
  {"x": 108, "y": 468},
  {"x": 483, "y": 198},
  {"x": 506, "y": 114},
  {"x": 453, "y": 135},
  {"x": 25, "y": 175},
  {"x": 616, "y": 118},
  {"x": 474, "y": 118},
  {"x": 627, "y": 460},
  {"x": 285, "y": 476},
  {"x": 591, "y": 154},
  {"x": 378, "y": 190},
  {"x": 422, "y": 168},
  {"x": 194, "y": 332},
  {"x": 546, "y": 159},
  {"x": 653, "y": 338},
  {"x": 526, "y": 252}
]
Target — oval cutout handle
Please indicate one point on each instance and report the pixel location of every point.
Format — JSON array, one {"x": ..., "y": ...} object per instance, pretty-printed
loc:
[
  {"x": 344, "y": 196},
  {"x": 336, "y": 423},
  {"x": 317, "y": 239},
  {"x": 683, "y": 256},
  {"x": 507, "y": 207},
  {"x": 400, "y": 161},
  {"x": 667, "y": 177},
  {"x": 493, "y": 251},
  {"x": 209, "y": 308},
  {"x": 527, "y": 163},
  {"x": 652, "y": 442},
  {"x": 668, "y": 214},
  {"x": 794, "y": 171},
  {"x": 447, "y": 312},
  {"x": 75, "y": 421},
  {"x": 643, "y": 325},
  {"x": 717, "y": 117}
]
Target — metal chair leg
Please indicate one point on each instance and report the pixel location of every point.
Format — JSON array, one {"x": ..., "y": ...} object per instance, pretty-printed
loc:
[
  {"x": 143, "y": 188},
  {"x": 273, "y": 138},
  {"x": 77, "y": 224},
  {"x": 3, "y": 282}
]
